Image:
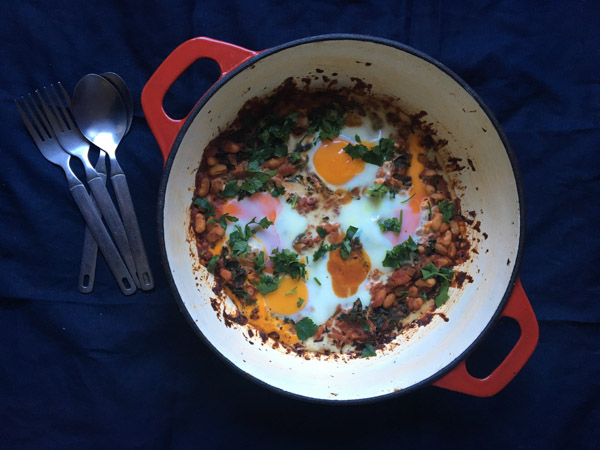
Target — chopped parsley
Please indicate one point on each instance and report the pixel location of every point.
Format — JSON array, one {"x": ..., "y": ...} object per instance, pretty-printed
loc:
[
  {"x": 442, "y": 295},
  {"x": 378, "y": 154},
  {"x": 212, "y": 264},
  {"x": 276, "y": 191},
  {"x": 287, "y": 262},
  {"x": 317, "y": 281},
  {"x": 323, "y": 248},
  {"x": 238, "y": 239},
  {"x": 305, "y": 328},
  {"x": 255, "y": 181},
  {"x": 345, "y": 246},
  {"x": 292, "y": 291},
  {"x": 367, "y": 351},
  {"x": 321, "y": 232},
  {"x": 267, "y": 284},
  {"x": 292, "y": 200},
  {"x": 223, "y": 220},
  {"x": 205, "y": 205},
  {"x": 380, "y": 190},
  {"x": 430, "y": 270},
  {"x": 300, "y": 302},
  {"x": 404, "y": 201},
  {"x": 394, "y": 225},
  {"x": 400, "y": 253},
  {"x": 259, "y": 262},
  {"x": 447, "y": 210},
  {"x": 327, "y": 123},
  {"x": 270, "y": 139}
]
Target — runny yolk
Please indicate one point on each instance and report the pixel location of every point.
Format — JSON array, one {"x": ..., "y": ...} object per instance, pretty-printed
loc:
[
  {"x": 415, "y": 169},
  {"x": 334, "y": 165},
  {"x": 348, "y": 274},
  {"x": 259, "y": 205},
  {"x": 286, "y": 299}
]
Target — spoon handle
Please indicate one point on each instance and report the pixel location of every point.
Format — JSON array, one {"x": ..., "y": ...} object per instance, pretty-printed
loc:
[
  {"x": 94, "y": 222},
  {"x": 121, "y": 189},
  {"x": 89, "y": 254}
]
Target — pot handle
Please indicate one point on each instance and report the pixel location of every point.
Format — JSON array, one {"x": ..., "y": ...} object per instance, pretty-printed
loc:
[
  {"x": 164, "y": 128},
  {"x": 519, "y": 309}
]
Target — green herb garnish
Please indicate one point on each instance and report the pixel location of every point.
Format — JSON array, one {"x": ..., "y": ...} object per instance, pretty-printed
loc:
[
  {"x": 293, "y": 291},
  {"x": 300, "y": 302},
  {"x": 287, "y": 262},
  {"x": 430, "y": 270},
  {"x": 317, "y": 281},
  {"x": 267, "y": 284},
  {"x": 400, "y": 253},
  {"x": 305, "y": 328},
  {"x": 205, "y": 205},
  {"x": 378, "y": 190},
  {"x": 321, "y": 232},
  {"x": 223, "y": 220},
  {"x": 447, "y": 210},
  {"x": 367, "y": 351},
  {"x": 276, "y": 191},
  {"x": 378, "y": 154},
  {"x": 327, "y": 123},
  {"x": 259, "y": 262},
  {"x": 404, "y": 201},
  {"x": 238, "y": 239},
  {"x": 442, "y": 295},
  {"x": 212, "y": 264},
  {"x": 394, "y": 225}
]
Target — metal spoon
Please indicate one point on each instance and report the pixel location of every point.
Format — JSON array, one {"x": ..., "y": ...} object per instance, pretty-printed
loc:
[
  {"x": 101, "y": 116},
  {"x": 87, "y": 271}
]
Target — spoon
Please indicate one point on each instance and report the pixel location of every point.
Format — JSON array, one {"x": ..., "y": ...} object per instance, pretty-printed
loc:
[
  {"x": 101, "y": 116},
  {"x": 87, "y": 270}
]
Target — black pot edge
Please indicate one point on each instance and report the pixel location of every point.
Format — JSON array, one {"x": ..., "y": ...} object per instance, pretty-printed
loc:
[{"x": 399, "y": 46}]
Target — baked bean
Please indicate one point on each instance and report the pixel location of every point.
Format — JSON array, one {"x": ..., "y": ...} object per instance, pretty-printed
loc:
[
  {"x": 211, "y": 161},
  {"x": 204, "y": 187},
  {"x": 225, "y": 274},
  {"x": 377, "y": 298},
  {"x": 428, "y": 173},
  {"x": 454, "y": 227},
  {"x": 429, "y": 282},
  {"x": 445, "y": 238},
  {"x": 216, "y": 186},
  {"x": 414, "y": 304},
  {"x": 444, "y": 227},
  {"x": 436, "y": 221},
  {"x": 452, "y": 250},
  {"x": 217, "y": 170},
  {"x": 214, "y": 232},
  {"x": 429, "y": 189},
  {"x": 421, "y": 249},
  {"x": 353, "y": 120},
  {"x": 274, "y": 163},
  {"x": 389, "y": 300},
  {"x": 230, "y": 147},
  {"x": 437, "y": 196},
  {"x": 413, "y": 291},
  {"x": 440, "y": 249},
  {"x": 199, "y": 223}
]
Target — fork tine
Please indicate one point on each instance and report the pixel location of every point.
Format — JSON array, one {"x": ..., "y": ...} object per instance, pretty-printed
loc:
[
  {"x": 41, "y": 115},
  {"x": 49, "y": 115},
  {"x": 55, "y": 118},
  {"x": 67, "y": 99},
  {"x": 44, "y": 130},
  {"x": 58, "y": 115},
  {"x": 32, "y": 131}
]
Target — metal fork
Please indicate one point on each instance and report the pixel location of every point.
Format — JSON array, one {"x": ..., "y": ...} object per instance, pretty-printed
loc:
[
  {"x": 46, "y": 142},
  {"x": 75, "y": 144}
]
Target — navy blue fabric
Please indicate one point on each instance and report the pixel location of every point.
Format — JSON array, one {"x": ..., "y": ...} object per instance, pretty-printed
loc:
[{"x": 107, "y": 371}]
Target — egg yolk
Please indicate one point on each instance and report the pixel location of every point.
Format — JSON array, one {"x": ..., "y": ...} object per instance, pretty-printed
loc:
[
  {"x": 289, "y": 298},
  {"x": 259, "y": 205},
  {"x": 334, "y": 165},
  {"x": 348, "y": 274},
  {"x": 415, "y": 169}
]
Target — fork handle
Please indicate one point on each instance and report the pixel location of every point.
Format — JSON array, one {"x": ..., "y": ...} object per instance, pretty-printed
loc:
[
  {"x": 134, "y": 234},
  {"x": 106, "y": 245}
]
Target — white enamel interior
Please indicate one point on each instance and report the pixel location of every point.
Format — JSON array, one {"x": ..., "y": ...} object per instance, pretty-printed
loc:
[{"x": 490, "y": 191}]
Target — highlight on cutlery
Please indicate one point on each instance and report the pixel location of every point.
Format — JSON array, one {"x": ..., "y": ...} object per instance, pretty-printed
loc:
[
  {"x": 87, "y": 271},
  {"x": 42, "y": 134},
  {"x": 101, "y": 116},
  {"x": 73, "y": 142}
]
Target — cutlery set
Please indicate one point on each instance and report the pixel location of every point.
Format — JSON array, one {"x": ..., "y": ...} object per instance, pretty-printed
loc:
[{"x": 100, "y": 113}]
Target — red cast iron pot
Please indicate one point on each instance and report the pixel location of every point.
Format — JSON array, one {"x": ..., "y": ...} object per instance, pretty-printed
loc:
[{"x": 434, "y": 354}]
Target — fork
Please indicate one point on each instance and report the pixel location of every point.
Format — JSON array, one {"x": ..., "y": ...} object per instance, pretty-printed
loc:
[
  {"x": 48, "y": 145},
  {"x": 73, "y": 142}
]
